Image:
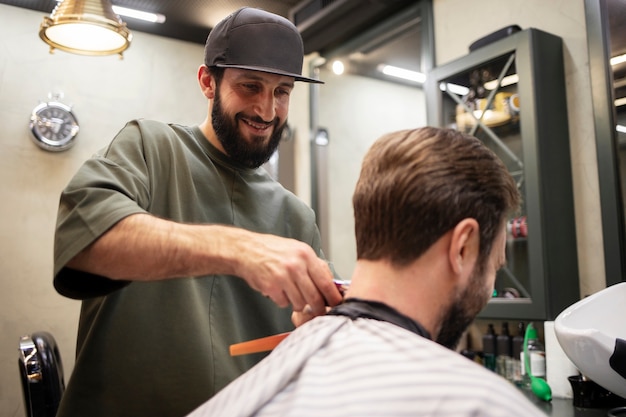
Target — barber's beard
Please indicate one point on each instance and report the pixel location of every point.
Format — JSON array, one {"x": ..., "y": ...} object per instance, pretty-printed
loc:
[
  {"x": 463, "y": 310},
  {"x": 251, "y": 154}
]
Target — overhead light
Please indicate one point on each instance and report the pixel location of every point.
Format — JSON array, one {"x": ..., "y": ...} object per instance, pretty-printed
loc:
[
  {"x": 618, "y": 59},
  {"x": 85, "y": 27},
  {"x": 620, "y": 128},
  {"x": 459, "y": 90},
  {"x": 620, "y": 101},
  {"x": 338, "y": 67},
  {"x": 508, "y": 80},
  {"x": 138, "y": 14},
  {"x": 405, "y": 74}
]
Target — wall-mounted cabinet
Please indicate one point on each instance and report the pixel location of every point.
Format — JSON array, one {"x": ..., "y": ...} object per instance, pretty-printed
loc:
[{"x": 511, "y": 95}]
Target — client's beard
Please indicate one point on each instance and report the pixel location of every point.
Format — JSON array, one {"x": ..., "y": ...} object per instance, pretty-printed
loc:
[{"x": 463, "y": 311}]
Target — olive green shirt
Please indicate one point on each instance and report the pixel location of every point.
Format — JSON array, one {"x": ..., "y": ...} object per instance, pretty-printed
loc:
[{"x": 161, "y": 348}]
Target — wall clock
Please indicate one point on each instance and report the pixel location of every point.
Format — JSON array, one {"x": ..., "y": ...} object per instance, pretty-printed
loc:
[{"x": 53, "y": 126}]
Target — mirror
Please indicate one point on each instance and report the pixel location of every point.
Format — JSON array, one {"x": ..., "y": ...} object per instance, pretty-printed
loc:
[{"x": 357, "y": 104}]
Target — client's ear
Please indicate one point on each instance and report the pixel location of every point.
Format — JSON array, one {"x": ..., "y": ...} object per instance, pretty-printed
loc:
[{"x": 464, "y": 247}]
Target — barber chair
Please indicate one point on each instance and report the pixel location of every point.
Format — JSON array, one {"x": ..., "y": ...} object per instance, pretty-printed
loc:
[{"x": 41, "y": 372}]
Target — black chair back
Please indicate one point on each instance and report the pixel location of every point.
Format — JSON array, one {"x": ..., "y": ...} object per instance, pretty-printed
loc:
[{"x": 41, "y": 372}]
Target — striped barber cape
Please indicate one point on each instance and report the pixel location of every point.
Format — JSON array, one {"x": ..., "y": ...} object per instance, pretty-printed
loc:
[{"x": 334, "y": 366}]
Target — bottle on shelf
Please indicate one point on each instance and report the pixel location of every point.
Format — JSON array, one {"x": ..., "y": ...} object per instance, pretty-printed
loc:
[
  {"x": 517, "y": 227},
  {"x": 518, "y": 351},
  {"x": 504, "y": 349},
  {"x": 489, "y": 348},
  {"x": 536, "y": 357}
]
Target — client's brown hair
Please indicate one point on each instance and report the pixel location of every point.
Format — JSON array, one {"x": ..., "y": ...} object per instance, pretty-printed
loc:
[{"x": 416, "y": 185}]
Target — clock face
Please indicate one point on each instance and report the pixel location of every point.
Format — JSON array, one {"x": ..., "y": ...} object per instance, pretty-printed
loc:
[{"x": 53, "y": 126}]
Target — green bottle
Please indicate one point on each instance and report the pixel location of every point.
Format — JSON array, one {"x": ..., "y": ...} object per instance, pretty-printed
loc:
[{"x": 536, "y": 355}]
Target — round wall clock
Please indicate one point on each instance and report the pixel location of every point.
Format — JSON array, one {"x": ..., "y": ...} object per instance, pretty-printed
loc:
[{"x": 53, "y": 126}]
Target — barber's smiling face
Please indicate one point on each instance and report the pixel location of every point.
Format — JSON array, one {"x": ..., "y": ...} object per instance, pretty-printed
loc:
[{"x": 249, "y": 113}]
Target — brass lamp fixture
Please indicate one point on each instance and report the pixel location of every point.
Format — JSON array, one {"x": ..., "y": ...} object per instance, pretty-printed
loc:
[{"x": 85, "y": 27}]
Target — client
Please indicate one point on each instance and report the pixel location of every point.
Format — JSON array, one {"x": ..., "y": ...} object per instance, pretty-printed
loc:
[{"x": 430, "y": 210}]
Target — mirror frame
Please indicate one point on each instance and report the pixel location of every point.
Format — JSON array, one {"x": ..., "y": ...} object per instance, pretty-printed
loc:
[{"x": 603, "y": 97}]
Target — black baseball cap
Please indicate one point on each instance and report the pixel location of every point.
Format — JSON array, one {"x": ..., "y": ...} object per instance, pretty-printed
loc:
[{"x": 257, "y": 40}]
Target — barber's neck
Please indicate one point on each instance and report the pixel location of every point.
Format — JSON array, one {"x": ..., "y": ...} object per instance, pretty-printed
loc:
[{"x": 207, "y": 129}]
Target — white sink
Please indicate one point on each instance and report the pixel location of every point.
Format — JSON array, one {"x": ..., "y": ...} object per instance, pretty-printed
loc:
[{"x": 592, "y": 333}]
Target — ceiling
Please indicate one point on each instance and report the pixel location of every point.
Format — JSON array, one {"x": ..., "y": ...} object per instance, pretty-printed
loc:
[
  {"x": 192, "y": 20},
  {"x": 189, "y": 20},
  {"x": 325, "y": 25}
]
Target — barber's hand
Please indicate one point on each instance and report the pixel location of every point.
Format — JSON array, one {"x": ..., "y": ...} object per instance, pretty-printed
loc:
[
  {"x": 290, "y": 272},
  {"x": 298, "y": 318}
]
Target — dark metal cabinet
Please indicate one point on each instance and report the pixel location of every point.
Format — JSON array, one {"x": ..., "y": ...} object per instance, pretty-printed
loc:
[{"x": 511, "y": 95}]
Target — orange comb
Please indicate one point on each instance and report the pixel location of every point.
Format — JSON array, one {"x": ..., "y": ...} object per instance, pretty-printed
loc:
[{"x": 257, "y": 345}]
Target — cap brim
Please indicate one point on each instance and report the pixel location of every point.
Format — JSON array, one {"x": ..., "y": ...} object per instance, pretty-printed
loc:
[{"x": 297, "y": 77}]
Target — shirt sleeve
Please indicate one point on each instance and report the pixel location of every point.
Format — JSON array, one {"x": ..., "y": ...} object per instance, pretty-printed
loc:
[{"x": 107, "y": 188}]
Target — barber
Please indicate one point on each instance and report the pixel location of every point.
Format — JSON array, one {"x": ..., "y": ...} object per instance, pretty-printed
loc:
[{"x": 179, "y": 244}]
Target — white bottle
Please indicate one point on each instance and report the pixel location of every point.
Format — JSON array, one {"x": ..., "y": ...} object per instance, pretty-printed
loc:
[{"x": 536, "y": 355}]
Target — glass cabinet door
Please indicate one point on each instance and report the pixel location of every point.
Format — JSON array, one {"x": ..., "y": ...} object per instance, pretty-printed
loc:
[
  {"x": 484, "y": 102},
  {"x": 495, "y": 93}
]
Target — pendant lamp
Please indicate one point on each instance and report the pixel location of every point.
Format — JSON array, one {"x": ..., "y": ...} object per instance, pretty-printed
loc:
[{"x": 85, "y": 27}]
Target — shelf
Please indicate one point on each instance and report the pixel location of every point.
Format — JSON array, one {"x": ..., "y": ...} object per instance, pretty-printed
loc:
[{"x": 511, "y": 95}]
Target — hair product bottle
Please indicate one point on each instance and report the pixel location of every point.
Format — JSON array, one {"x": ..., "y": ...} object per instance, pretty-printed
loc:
[
  {"x": 536, "y": 356},
  {"x": 489, "y": 348},
  {"x": 504, "y": 349},
  {"x": 518, "y": 352}
]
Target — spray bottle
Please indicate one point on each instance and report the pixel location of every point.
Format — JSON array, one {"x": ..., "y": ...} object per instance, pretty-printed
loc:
[{"x": 535, "y": 364}]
